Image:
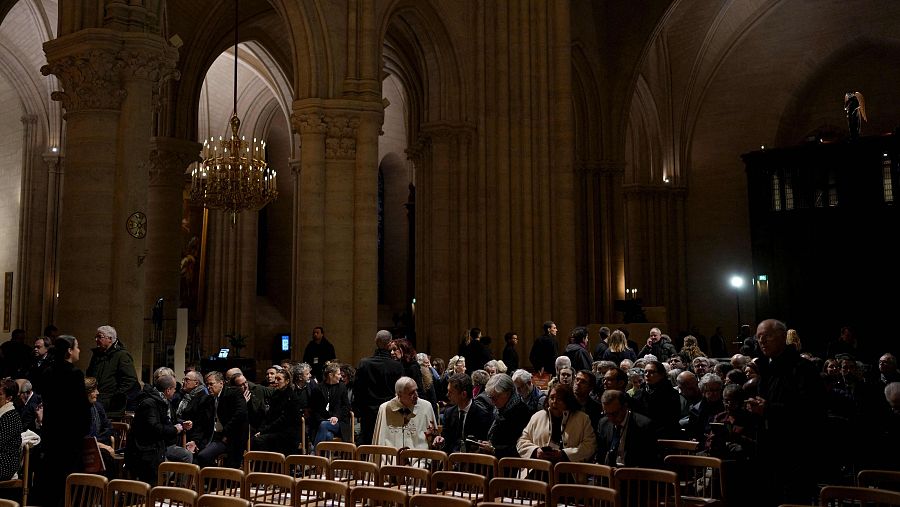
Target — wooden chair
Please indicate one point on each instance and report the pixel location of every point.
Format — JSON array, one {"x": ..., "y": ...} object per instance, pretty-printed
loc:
[
  {"x": 582, "y": 495},
  {"x": 221, "y": 481},
  {"x": 306, "y": 466},
  {"x": 354, "y": 473},
  {"x": 352, "y": 428},
  {"x": 127, "y": 493},
  {"x": 86, "y": 490},
  {"x": 881, "y": 479},
  {"x": 518, "y": 491},
  {"x": 370, "y": 496},
  {"x": 526, "y": 468},
  {"x": 321, "y": 493},
  {"x": 336, "y": 450},
  {"x": 839, "y": 496},
  {"x": 433, "y": 460},
  {"x": 169, "y": 496},
  {"x": 23, "y": 482},
  {"x": 411, "y": 480},
  {"x": 640, "y": 487},
  {"x": 472, "y": 487},
  {"x": 668, "y": 447},
  {"x": 222, "y": 501},
  {"x": 699, "y": 479},
  {"x": 263, "y": 461},
  {"x": 378, "y": 454},
  {"x": 120, "y": 434},
  {"x": 4, "y": 502},
  {"x": 429, "y": 500},
  {"x": 303, "y": 441},
  {"x": 590, "y": 474},
  {"x": 474, "y": 463},
  {"x": 269, "y": 488},
  {"x": 182, "y": 475}
]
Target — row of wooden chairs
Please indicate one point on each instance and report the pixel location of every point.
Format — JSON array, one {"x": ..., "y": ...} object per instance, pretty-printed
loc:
[
  {"x": 89, "y": 490},
  {"x": 842, "y": 496}
]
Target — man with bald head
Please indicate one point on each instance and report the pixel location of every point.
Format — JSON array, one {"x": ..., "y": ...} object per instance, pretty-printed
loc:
[
  {"x": 791, "y": 403},
  {"x": 376, "y": 377}
]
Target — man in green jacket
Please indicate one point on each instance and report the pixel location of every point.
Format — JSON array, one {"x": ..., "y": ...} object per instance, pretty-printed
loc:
[{"x": 113, "y": 368}]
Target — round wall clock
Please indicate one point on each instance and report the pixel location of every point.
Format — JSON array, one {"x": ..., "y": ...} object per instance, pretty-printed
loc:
[{"x": 136, "y": 225}]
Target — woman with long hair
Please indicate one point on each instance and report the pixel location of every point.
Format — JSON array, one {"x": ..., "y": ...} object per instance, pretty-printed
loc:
[
  {"x": 67, "y": 419},
  {"x": 618, "y": 348},
  {"x": 278, "y": 432},
  {"x": 10, "y": 430},
  {"x": 411, "y": 367},
  {"x": 690, "y": 350},
  {"x": 561, "y": 432}
]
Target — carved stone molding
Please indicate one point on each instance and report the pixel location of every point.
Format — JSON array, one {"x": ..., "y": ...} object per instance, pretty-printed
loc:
[
  {"x": 462, "y": 131},
  {"x": 169, "y": 159},
  {"x": 309, "y": 123},
  {"x": 91, "y": 80},
  {"x": 340, "y": 138}
]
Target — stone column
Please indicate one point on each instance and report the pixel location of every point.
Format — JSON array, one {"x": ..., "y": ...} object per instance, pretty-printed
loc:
[
  {"x": 29, "y": 266},
  {"x": 365, "y": 234},
  {"x": 50, "y": 281}
]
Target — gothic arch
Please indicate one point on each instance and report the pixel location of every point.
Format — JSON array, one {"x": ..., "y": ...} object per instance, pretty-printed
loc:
[
  {"x": 644, "y": 140},
  {"x": 587, "y": 108}
]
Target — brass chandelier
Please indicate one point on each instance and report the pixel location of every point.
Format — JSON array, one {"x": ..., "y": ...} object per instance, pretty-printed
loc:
[{"x": 234, "y": 175}]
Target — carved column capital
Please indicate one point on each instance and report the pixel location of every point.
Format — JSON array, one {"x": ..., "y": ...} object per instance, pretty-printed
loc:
[
  {"x": 309, "y": 123},
  {"x": 340, "y": 138},
  {"x": 90, "y": 79},
  {"x": 169, "y": 159}
]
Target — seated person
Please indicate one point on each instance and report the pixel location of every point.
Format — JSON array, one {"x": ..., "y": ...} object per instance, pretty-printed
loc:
[
  {"x": 510, "y": 416},
  {"x": 330, "y": 407},
  {"x": 625, "y": 438},
  {"x": 561, "y": 432},
  {"x": 10, "y": 430},
  {"x": 101, "y": 428},
  {"x": 732, "y": 433},
  {"x": 279, "y": 430},
  {"x": 405, "y": 421},
  {"x": 463, "y": 419},
  {"x": 529, "y": 393}
]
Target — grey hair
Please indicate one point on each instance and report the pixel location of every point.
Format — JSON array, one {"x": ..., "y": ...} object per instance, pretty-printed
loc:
[
  {"x": 383, "y": 338},
  {"x": 710, "y": 378},
  {"x": 421, "y": 357},
  {"x": 562, "y": 361},
  {"x": 522, "y": 375},
  {"x": 26, "y": 386},
  {"x": 109, "y": 331},
  {"x": 404, "y": 383},
  {"x": 491, "y": 364},
  {"x": 163, "y": 370},
  {"x": 500, "y": 383},
  {"x": 480, "y": 377},
  {"x": 164, "y": 382}
]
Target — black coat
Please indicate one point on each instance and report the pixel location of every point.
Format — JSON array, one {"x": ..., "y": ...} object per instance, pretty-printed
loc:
[
  {"x": 511, "y": 359},
  {"x": 640, "y": 442},
  {"x": 478, "y": 422},
  {"x": 507, "y": 427},
  {"x": 317, "y": 354},
  {"x": 151, "y": 427},
  {"x": 280, "y": 430},
  {"x": 662, "y": 404},
  {"x": 375, "y": 379},
  {"x": 232, "y": 413},
  {"x": 544, "y": 353},
  {"x": 332, "y": 400}
]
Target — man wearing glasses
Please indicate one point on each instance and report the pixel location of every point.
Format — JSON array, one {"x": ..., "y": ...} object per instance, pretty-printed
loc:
[
  {"x": 624, "y": 438},
  {"x": 226, "y": 411},
  {"x": 191, "y": 407},
  {"x": 658, "y": 400}
]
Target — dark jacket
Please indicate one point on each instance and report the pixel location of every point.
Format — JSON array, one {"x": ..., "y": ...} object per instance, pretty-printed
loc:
[
  {"x": 332, "y": 400},
  {"x": 477, "y": 423},
  {"x": 280, "y": 431},
  {"x": 507, "y": 427},
  {"x": 617, "y": 357},
  {"x": 375, "y": 379},
  {"x": 640, "y": 442},
  {"x": 29, "y": 412},
  {"x": 193, "y": 408},
  {"x": 544, "y": 353},
  {"x": 232, "y": 414},
  {"x": 662, "y": 349},
  {"x": 511, "y": 359},
  {"x": 662, "y": 404},
  {"x": 114, "y": 371},
  {"x": 581, "y": 358},
  {"x": 151, "y": 427},
  {"x": 317, "y": 354}
]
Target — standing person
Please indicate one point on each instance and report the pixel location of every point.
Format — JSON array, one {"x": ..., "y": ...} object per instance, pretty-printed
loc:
[
  {"x": 577, "y": 349},
  {"x": 318, "y": 352},
  {"x": 660, "y": 348},
  {"x": 791, "y": 397},
  {"x": 375, "y": 379},
  {"x": 113, "y": 368},
  {"x": 16, "y": 355},
  {"x": 66, "y": 420},
  {"x": 545, "y": 350},
  {"x": 510, "y": 354},
  {"x": 475, "y": 352},
  {"x": 601, "y": 342},
  {"x": 717, "y": 344}
]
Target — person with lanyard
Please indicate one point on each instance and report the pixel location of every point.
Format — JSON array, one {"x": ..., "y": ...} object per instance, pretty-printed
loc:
[
  {"x": 331, "y": 406},
  {"x": 624, "y": 438},
  {"x": 562, "y": 432}
]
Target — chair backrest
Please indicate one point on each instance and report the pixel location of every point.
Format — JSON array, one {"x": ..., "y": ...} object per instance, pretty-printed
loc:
[
  {"x": 222, "y": 501},
  {"x": 127, "y": 493},
  {"x": 378, "y": 454},
  {"x": 518, "y": 491},
  {"x": 120, "y": 433},
  {"x": 263, "y": 461},
  {"x": 86, "y": 490},
  {"x": 839, "y": 496},
  {"x": 433, "y": 460},
  {"x": 170, "y": 496},
  {"x": 429, "y": 500},
  {"x": 23, "y": 481},
  {"x": 472, "y": 487},
  {"x": 182, "y": 475},
  {"x": 221, "y": 481},
  {"x": 336, "y": 450},
  {"x": 474, "y": 463},
  {"x": 881, "y": 479},
  {"x": 669, "y": 447},
  {"x": 590, "y": 474},
  {"x": 371, "y": 496},
  {"x": 698, "y": 476},
  {"x": 639, "y": 487},
  {"x": 4, "y": 502},
  {"x": 321, "y": 493},
  {"x": 354, "y": 473},
  {"x": 263, "y": 487},
  {"x": 306, "y": 466},
  {"x": 526, "y": 468},
  {"x": 409, "y": 479},
  {"x": 583, "y": 495}
]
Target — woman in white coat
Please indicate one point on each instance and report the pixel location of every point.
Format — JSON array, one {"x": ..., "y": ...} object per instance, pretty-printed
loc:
[{"x": 561, "y": 432}]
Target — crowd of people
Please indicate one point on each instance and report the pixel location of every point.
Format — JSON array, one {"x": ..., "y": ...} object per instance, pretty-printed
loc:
[{"x": 768, "y": 412}]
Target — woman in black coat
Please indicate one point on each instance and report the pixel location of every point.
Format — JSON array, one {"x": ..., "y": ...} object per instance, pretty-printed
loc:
[
  {"x": 331, "y": 407},
  {"x": 280, "y": 430},
  {"x": 67, "y": 419}
]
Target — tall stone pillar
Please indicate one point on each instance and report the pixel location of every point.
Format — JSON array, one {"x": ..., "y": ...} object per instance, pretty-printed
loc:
[
  {"x": 108, "y": 78},
  {"x": 365, "y": 234},
  {"x": 31, "y": 223}
]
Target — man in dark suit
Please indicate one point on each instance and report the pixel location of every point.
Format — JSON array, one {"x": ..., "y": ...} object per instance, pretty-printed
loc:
[
  {"x": 30, "y": 401},
  {"x": 464, "y": 419},
  {"x": 374, "y": 385},
  {"x": 545, "y": 350},
  {"x": 227, "y": 410},
  {"x": 625, "y": 438}
]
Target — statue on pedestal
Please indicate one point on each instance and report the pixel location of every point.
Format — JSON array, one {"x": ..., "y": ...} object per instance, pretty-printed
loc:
[{"x": 855, "y": 106}]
